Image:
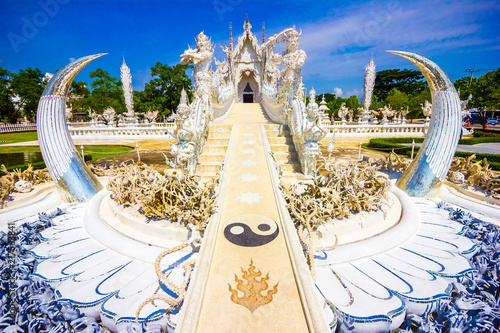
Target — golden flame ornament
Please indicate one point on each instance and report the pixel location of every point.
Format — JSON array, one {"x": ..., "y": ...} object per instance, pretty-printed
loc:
[{"x": 252, "y": 289}]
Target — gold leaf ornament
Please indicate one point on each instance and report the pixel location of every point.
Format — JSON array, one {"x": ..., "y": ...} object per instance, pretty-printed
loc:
[{"x": 252, "y": 289}]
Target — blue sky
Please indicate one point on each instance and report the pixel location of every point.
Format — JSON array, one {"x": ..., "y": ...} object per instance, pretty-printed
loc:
[{"x": 339, "y": 37}]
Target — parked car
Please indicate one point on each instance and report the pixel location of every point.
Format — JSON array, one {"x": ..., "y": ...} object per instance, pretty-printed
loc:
[{"x": 474, "y": 118}]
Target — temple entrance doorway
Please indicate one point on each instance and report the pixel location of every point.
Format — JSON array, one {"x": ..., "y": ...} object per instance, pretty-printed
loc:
[
  {"x": 248, "y": 94},
  {"x": 248, "y": 89}
]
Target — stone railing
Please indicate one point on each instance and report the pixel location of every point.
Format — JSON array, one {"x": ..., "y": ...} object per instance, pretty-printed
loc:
[
  {"x": 343, "y": 130},
  {"x": 223, "y": 103},
  {"x": 133, "y": 132},
  {"x": 273, "y": 108},
  {"x": 17, "y": 128}
]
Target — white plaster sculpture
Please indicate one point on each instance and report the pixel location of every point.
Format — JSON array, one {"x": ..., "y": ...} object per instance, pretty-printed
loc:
[
  {"x": 23, "y": 186},
  {"x": 69, "y": 172},
  {"x": 370, "y": 75},
  {"x": 293, "y": 60},
  {"x": 343, "y": 112},
  {"x": 403, "y": 114},
  {"x": 322, "y": 105},
  {"x": 306, "y": 132},
  {"x": 431, "y": 165},
  {"x": 192, "y": 123},
  {"x": 95, "y": 117},
  {"x": 427, "y": 110},
  {"x": 386, "y": 112},
  {"x": 109, "y": 115},
  {"x": 126, "y": 77},
  {"x": 151, "y": 116}
]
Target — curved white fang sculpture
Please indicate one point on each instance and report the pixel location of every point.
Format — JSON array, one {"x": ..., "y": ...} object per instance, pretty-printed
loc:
[
  {"x": 430, "y": 167},
  {"x": 72, "y": 177}
]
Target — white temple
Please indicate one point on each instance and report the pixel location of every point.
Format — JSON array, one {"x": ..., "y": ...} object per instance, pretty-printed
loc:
[{"x": 245, "y": 64}]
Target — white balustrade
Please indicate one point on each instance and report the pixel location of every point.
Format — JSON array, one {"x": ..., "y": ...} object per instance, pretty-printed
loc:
[
  {"x": 17, "y": 127},
  {"x": 344, "y": 130},
  {"x": 162, "y": 130}
]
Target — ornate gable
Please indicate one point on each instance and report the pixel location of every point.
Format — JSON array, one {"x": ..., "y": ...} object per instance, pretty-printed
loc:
[{"x": 248, "y": 46}]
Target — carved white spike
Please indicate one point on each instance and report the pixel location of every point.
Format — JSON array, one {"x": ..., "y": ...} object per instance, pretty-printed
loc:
[
  {"x": 127, "y": 88},
  {"x": 73, "y": 178},
  {"x": 430, "y": 167},
  {"x": 369, "y": 84}
]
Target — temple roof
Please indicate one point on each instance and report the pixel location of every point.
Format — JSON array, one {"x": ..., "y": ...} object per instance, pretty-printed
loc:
[{"x": 247, "y": 35}]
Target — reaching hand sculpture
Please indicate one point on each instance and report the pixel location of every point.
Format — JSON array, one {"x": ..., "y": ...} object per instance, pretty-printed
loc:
[
  {"x": 201, "y": 57},
  {"x": 192, "y": 123},
  {"x": 293, "y": 60}
]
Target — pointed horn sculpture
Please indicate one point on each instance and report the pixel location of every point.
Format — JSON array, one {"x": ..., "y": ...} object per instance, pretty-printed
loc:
[
  {"x": 429, "y": 168},
  {"x": 72, "y": 177}
]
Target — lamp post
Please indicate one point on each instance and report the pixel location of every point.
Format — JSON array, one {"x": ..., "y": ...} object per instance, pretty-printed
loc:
[
  {"x": 138, "y": 155},
  {"x": 412, "y": 148},
  {"x": 359, "y": 154}
]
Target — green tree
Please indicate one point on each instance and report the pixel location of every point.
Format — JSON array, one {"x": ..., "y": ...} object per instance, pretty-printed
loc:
[
  {"x": 106, "y": 92},
  {"x": 353, "y": 104},
  {"x": 374, "y": 105},
  {"x": 27, "y": 86},
  {"x": 397, "y": 99},
  {"x": 163, "y": 92},
  {"x": 415, "y": 104},
  {"x": 405, "y": 80},
  {"x": 335, "y": 104},
  {"x": 486, "y": 92},
  {"x": 465, "y": 86},
  {"x": 7, "y": 109},
  {"x": 78, "y": 97}
]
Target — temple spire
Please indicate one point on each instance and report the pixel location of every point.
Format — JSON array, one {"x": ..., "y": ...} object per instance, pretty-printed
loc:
[
  {"x": 247, "y": 26},
  {"x": 263, "y": 32},
  {"x": 230, "y": 36}
]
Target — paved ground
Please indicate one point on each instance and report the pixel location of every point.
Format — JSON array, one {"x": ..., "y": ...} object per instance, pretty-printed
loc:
[
  {"x": 241, "y": 239},
  {"x": 488, "y": 148}
]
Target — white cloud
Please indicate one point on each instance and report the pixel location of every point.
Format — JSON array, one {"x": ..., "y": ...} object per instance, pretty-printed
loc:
[
  {"x": 353, "y": 92},
  {"x": 71, "y": 59},
  {"x": 337, "y": 92}
]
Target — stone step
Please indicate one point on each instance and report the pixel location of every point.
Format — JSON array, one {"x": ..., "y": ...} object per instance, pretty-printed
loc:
[
  {"x": 280, "y": 140},
  {"x": 293, "y": 166},
  {"x": 288, "y": 157},
  {"x": 211, "y": 158},
  {"x": 274, "y": 134},
  {"x": 208, "y": 168},
  {"x": 283, "y": 148},
  {"x": 220, "y": 128},
  {"x": 217, "y": 135},
  {"x": 217, "y": 142},
  {"x": 213, "y": 149},
  {"x": 275, "y": 127}
]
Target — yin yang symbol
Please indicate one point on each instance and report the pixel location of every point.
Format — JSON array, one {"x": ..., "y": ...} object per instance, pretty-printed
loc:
[{"x": 250, "y": 230}]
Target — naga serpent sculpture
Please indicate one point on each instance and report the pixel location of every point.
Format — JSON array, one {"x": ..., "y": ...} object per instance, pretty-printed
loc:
[
  {"x": 72, "y": 177},
  {"x": 425, "y": 174}
]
